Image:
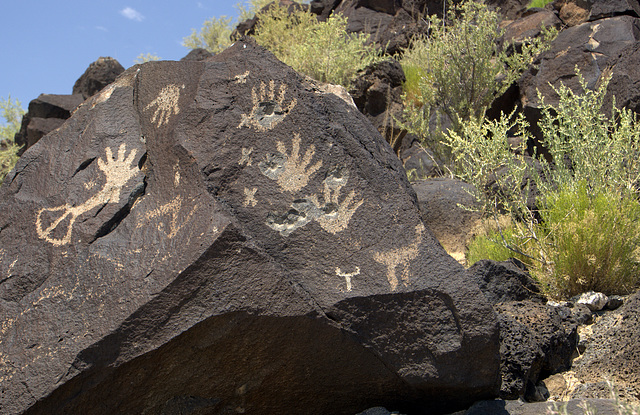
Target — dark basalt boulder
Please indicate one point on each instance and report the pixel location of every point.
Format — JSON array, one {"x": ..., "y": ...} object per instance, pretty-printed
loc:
[
  {"x": 197, "y": 54},
  {"x": 98, "y": 75},
  {"x": 505, "y": 281},
  {"x": 45, "y": 114},
  {"x": 224, "y": 237}
]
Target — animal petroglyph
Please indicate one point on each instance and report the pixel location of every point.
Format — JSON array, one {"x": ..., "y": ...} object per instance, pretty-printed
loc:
[
  {"x": 291, "y": 172},
  {"x": 331, "y": 215},
  {"x": 250, "y": 197},
  {"x": 245, "y": 160},
  {"x": 117, "y": 173},
  {"x": 348, "y": 276},
  {"x": 400, "y": 257},
  {"x": 241, "y": 79},
  {"x": 173, "y": 209},
  {"x": 336, "y": 215},
  {"x": 268, "y": 110},
  {"x": 166, "y": 104}
]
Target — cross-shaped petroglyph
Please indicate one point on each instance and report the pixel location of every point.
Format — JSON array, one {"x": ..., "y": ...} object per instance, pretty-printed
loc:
[
  {"x": 336, "y": 215},
  {"x": 241, "y": 79},
  {"x": 400, "y": 257},
  {"x": 117, "y": 173},
  {"x": 250, "y": 197},
  {"x": 291, "y": 173},
  {"x": 166, "y": 103},
  {"x": 348, "y": 276},
  {"x": 245, "y": 160},
  {"x": 268, "y": 110}
]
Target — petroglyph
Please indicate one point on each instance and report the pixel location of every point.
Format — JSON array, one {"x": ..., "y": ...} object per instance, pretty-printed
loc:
[
  {"x": 291, "y": 173},
  {"x": 348, "y": 276},
  {"x": 166, "y": 103},
  {"x": 331, "y": 215},
  {"x": 268, "y": 110},
  {"x": 336, "y": 215},
  {"x": 241, "y": 79},
  {"x": 400, "y": 257},
  {"x": 250, "y": 197},
  {"x": 117, "y": 173},
  {"x": 245, "y": 160},
  {"x": 176, "y": 222}
]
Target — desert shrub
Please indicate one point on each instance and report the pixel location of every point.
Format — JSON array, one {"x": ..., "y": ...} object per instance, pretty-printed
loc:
[
  {"x": 148, "y": 57},
  {"x": 585, "y": 234},
  {"x": 538, "y": 3},
  {"x": 461, "y": 69},
  {"x": 497, "y": 242},
  {"x": 214, "y": 36},
  {"x": 12, "y": 112},
  {"x": 322, "y": 50}
]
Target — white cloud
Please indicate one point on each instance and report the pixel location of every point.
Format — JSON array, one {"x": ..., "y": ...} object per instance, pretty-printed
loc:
[{"x": 132, "y": 14}]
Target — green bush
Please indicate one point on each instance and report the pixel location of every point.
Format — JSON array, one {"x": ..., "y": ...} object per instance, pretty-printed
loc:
[
  {"x": 12, "y": 113},
  {"x": 538, "y": 3},
  {"x": 214, "y": 36},
  {"x": 498, "y": 243},
  {"x": 322, "y": 50},
  {"x": 587, "y": 234},
  {"x": 461, "y": 70},
  {"x": 148, "y": 57}
]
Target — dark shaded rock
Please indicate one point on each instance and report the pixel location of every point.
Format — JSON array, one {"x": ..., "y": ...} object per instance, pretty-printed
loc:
[
  {"x": 45, "y": 114},
  {"x": 535, "y": 341},
  {"x": 98, "y": 75},
  {"x": 417, "y": 161},
  {"x": 248, "y": 27},
  {"x": 442, "y": 202},
  {"x": 615, "y": 302},
  {"x": 601, "y": 9},
  {"x": 529, "y": 27},
  {"x": 625, "y": 81},
  {"x": 516, "y": 407},
  {"x": 198, "y": 54},
  {"x": 505, "y": 281},
  {"x": 222, "y": 236},
  {"x": 612, "y": 353},
  {"x": 509, "y": 9},
  {"x": 377, "y": 93}
]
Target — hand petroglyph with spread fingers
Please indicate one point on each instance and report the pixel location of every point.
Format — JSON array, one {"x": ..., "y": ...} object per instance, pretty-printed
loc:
[
  {"x": 268, "y": 110},
  {"x": 336, "y": 215},
  {"x": 166, "y": 103},
  {"x": 117, "y": 173},
  {"x": 291, "y": 172}
]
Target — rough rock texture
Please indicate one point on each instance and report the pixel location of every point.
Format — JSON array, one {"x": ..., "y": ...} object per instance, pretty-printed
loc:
[
  {"x": 574, "y": 407},
  {"x": 98, "y": 75},
  {"x": 608, "y": 8},
  {"x": 441, "y": 202},
  {"x": 197, "y": 54},
  {"x": 222, "y": 237},
  {"x": 45, "y": 114},
  {"x": 536, "y": 340},
  {"x": 505, "y": 281},
  {"x": 612, "y": 353},
  {"x": 625, "y": 80}
]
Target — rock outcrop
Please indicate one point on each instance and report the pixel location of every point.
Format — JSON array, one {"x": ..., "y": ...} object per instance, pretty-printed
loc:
[
  {"x": 98, "y": 75},
  {"x": 224, "y": 237}
]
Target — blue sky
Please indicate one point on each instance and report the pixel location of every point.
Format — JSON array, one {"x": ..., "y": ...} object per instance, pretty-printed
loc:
[{"x": 46, "y": 45}]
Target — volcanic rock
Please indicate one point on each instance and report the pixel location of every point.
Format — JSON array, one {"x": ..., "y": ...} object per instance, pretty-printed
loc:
[
  {"x": 223, "y": 237},
  {"x": 98, "y": 75}
]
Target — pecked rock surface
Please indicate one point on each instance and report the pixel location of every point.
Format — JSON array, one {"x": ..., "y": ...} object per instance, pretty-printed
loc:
[{"x": 223, "y": 237}]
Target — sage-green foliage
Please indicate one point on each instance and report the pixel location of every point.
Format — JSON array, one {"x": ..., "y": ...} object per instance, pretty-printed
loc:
[
  {"x": 12, "y": 112},
  {"x": 588, "y": 237},
  {"x": 322, "y": 50},
  {"x": 538, "y": 3},
  {"x": 492, "y": 244},
  {"x": 459, "y": 69},
  {"x": 249, "y": 8},
  {"x": 142, "y": 58},
  {"x": 214, "y": 36}
]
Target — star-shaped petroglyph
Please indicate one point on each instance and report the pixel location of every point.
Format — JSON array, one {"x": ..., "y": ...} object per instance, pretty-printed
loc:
[
  {"x": 246, "y": 160},
  {"x": 268, "y": 110},
  {"x": 250, "y": 197}
]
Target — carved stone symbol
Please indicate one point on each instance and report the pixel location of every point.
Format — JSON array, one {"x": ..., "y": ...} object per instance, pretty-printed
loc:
[
  {"x": 166, "y": 103},
  {"x": 241, "y": 79},
  {"x": 291, "y": 173},
  {"x": 250, "y": 197},
  {"x": 400, "y": 257},
  {"x": 336, "y": 215},
  {"x": 268, "y": 110},
  {"x": 117, "y": 173},
  {"x": 246, "y": 157},
  {"x": 348, "y": 276}
]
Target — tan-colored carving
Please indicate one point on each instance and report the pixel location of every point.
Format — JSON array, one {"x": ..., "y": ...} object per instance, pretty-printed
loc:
[
  {"x": 268, "y": 110},
  {"x": 245, "y": 160},
  {"x": 400, "y": 257},
  {"x": 173, "y": 208},
  {"x": 337, "y": 214},
  {"x": 348, "y": 276},
  {"x": 117, "y": 173},
  {"x": 291, "y": 172},
  {"x": 250, "y": 197},
  {"x": 122, "y": 81},
  {"x": 166, "y": 103},
  {"x": 242, "y": 79}
]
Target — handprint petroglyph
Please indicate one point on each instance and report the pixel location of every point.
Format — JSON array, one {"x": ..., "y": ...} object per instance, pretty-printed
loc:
[
  {"x": 291, "y": 172},
  {"x": 336, "y": 215},
  {"x": 268, "y": 110},
  {"x": 166, "y": 103},
  {"x": 400, "y": 257},
  {"x": 117, "y": 173}
]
